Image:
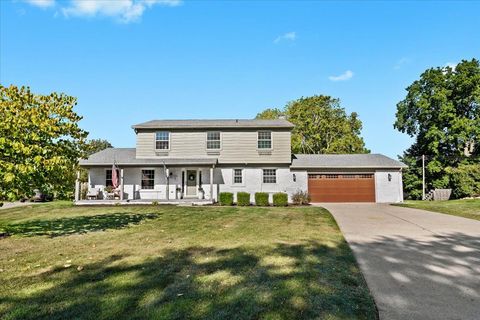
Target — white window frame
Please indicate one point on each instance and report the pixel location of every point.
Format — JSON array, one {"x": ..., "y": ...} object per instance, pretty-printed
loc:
[
  {"x": 156, "y": 140},
  {"x": 263, "y": 175},
  {"x": 219, "y": 140},
  {"x": 258, "y": 140},
  {"x": 241, "y": 176},
  {"x": 141, "y": 178}
]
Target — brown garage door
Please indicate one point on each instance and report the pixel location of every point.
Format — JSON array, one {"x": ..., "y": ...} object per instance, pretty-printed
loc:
[{"x": 341, "y": 187}]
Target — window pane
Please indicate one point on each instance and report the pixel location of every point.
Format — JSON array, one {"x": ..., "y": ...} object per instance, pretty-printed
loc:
[
  {"x": 161, "y": 145},
  {"x": 213, "y": 135},
  {"x": 264, "y": 135},
  {"x": 237, "y": 176},
  {"x": 108, "y": 178},
  {"x": 148, "y": 178},
  {"x": 269, "y": 176},
  {"x": 213, "y": 144},
  {"x": 162, "y": 135},
  {"x": 262, "y": 144}
]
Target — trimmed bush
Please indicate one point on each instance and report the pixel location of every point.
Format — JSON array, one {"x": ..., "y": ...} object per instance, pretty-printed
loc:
[
  {"x": 261, "y": 199},
  {"x": 301, "y": 198},
  {"x": 226, "y": 198},
  {"x": 280, "y": 199},
  {"x": 243, "y": 198}
]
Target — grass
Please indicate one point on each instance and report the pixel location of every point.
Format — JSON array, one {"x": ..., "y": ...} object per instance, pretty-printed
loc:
[
  {"x": 162, "y": 262},
  {"x": 462, "y": 208}
]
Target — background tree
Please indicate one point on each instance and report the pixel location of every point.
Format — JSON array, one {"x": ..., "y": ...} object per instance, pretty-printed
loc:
[
  {"x": 442, "y": 112},
  {"x": 96, "y": 145},
  {"x": 40, "y": 142},
  {"x": 270, "y": 114},
  {"x": 321, "y": 126}
]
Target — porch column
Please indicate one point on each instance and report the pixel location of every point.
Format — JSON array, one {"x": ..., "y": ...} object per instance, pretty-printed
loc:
[
  {"x": 211, "y": 184},
  {"x": 121, "y": 184},
  {"x": 77, "y": 187},
  {"x": 167, "y": 175}
]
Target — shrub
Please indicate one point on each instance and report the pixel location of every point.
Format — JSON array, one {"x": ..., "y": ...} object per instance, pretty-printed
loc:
[
  {"x": 280, "y": 199},
  {"x": 301, "y": 198},
  {"x": 154, "y": 203},
  {"x": 465, "y": 180},
  {"x": 243, "y": 198},
  {"x": 261, "y": 199},
  {"x": 1, "y": 204},
  {"x": 226, "y": 198}
]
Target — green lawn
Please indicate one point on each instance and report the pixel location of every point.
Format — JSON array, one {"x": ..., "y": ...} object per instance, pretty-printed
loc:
[
  {"x": 163, "y": 262},
  {"x": 462, "y": 208}
]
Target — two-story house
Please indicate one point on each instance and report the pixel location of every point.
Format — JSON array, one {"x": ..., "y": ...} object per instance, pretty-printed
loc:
[{"x": 201, "y": 158}]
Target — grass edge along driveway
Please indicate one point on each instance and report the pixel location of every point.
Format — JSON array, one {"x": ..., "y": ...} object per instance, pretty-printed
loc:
[
  {"x": 466, "y": 208},
  {"x": 163, "y": 262}
]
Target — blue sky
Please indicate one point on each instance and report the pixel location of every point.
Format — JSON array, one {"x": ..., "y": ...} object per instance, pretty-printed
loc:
[{"x": 131, "y": 61}]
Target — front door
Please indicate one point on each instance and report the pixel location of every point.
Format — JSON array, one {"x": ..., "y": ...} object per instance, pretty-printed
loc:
[{"x": 191, "y": 183}]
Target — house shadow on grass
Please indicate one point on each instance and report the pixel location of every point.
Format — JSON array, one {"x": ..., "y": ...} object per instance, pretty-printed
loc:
[
  {"x": 301, "y": 281},
  {"x": 73, "y": 225}
]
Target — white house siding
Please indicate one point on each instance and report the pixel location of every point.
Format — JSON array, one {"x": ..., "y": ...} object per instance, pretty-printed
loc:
[
  {"x": 388, "y": 191},
  {"x": 253, "y": 181},
  {"x": 222, "y": 179}
]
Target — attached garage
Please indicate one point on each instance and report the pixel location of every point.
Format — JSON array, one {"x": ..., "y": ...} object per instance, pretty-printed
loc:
[{"x": 352, "y": 177}]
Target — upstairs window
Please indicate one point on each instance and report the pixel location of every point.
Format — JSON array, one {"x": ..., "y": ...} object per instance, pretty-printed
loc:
[
  {"x": 213, "y": 140},
  {"x": 264, "y": 140},
  {"x": 162, "y": 140},
  {"x": 269, "y": 176},
  {"x": 148, "y": 178},
  {"x": 237, "y": 176}
]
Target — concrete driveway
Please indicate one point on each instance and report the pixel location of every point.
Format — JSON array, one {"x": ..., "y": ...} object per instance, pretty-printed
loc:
[{"x": 418, "y": 264}]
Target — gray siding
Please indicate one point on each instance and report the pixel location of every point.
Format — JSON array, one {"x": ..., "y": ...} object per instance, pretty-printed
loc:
[{"x": 237, "y": 146}]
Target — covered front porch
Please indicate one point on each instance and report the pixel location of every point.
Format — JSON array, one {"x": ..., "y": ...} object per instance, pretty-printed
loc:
[{"x": 166, "y": 180}]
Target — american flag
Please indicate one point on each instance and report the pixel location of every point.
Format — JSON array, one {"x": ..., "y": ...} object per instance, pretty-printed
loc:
[{"x": 115, "y": 183}]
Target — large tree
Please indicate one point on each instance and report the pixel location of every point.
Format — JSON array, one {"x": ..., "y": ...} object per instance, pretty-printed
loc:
[
  {"x": 40, "y": 142},
  {"x": 442, "y": 113},
  {"x": 321, "y": 126},
  {"x": 95, "y": 145}
]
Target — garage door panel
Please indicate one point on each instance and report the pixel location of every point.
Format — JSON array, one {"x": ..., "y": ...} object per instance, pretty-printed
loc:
[{"x": 341, "y": 188}]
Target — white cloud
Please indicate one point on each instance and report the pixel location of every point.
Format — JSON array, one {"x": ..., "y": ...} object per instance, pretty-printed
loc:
[
  {"x": 347, "y": 75},
  {"x": 400, "y": 63},
  {"x": 41, "y": 3},
  {"x": 289, "y": 36},
  {"x": 123, "y": 10}
]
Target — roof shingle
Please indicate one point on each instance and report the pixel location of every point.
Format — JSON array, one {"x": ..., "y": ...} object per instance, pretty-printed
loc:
[
  {"x": 344, "y": 161},
  {"x": 218, "y": 123},
  {"x": 127, "y": 156}
]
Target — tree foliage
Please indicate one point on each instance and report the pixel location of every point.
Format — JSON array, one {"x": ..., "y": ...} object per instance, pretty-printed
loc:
[
  {"x": 96, "y": 145},
  {"x": 40, "y": 142},
  {"x": 321, "y": 126},
  {"x": 442, "y": 112},
  {"x": 466, "y": 179}
]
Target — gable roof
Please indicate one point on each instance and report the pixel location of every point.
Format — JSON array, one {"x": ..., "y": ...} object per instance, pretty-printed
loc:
[
  {"x": 127, "y": 156},
  {"x": 214, "y": 124},
  {"x": 344, "y": 161}
]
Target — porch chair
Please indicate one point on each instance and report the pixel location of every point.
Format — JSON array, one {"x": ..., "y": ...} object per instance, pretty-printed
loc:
[{"x": 93, "y": 193}]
